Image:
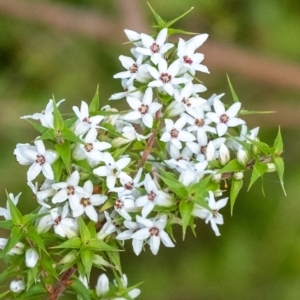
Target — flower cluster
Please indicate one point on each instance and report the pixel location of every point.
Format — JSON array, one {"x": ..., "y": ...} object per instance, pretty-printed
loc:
[{"x": 104, "y": 176}]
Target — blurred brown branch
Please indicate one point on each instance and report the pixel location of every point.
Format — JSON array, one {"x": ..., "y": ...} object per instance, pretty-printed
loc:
[{"x": 219, "y": 56}]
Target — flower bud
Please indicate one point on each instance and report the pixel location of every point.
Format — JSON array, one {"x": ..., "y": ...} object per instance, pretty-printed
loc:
[
  {"x": 71, "y": 256},
  {"x": 238, "y": 175},
  {"x": 242, "y": 157},
  {"x": 210, "y": 151},
  {"x": 17, "y": 286},
  {"x": 31, "y": 258},
  {"x": 224, "y": 155},
  {"x": 102, "y": 286},
  {"x": 271, "y": 167},
  {"x": 254, "y": 148},
  {"x": 218, "y": 193},
  {"x": 216, "y": 177}
]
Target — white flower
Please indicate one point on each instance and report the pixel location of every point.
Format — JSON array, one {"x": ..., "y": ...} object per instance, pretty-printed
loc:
[
  {"x": 125, "y": 204},
  {"x": 39, "y": 158},
  {"x": 137, "y": 244},
  {"x": 214, "y": 217},
  {"x": 46, "y": 116},
  {"x": 41, "y": 194},
  {"x": 129, "y": 90},
  {"x": 85, "y": 123},
  {"x": 17, "y": 286},
  {"x": 108, "y": 227},
  {"x": 224, "y": 155},
  {"x": 102, "y": 286},
  {"x": 134, "y": 37},
  {"x": 154, "y": 197},
  {"x": 144, "y": 109},
  {"x": 6, "y": 212},
  {"x": 63, "y": 225},
  {"x": 136, "y": 70},
  {"x": 186, "y": 52},
  {"x": 178, "y": 159},
  {"x": 132, "y": 294},
  {"x": 154, "y": 231},
  {"x": 86, "y": 204},
  {"x": 242, "y": 157},
  {"x": 165, "y": 76},
  {"x": 69, "y": 190},
  {"x": 17, "y": 249},
  {"x": 31, "y": 258},
  {"x": 112, "y": 169},
  {"x": 154, "y": 48},
  {"x": 174, "y": 133},
  {"x": 225, "y": 118}
]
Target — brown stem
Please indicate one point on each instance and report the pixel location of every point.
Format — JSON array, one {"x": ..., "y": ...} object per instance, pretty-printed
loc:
[{"x": 63, "y": 282}]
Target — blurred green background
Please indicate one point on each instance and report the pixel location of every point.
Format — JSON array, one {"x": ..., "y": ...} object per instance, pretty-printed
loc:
[{"x": 258, "y": 253}]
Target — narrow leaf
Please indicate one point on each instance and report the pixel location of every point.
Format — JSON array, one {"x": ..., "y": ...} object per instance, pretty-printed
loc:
[
  {"x": 99, "y": 245},
  {"x": 50, "y": 134},
  {"x": 57, "y": 118},
  {"x": 34, "y": 236},
  {"x": 232, "y": 166},
  {"x": 38, "y": 127},
  {"x": 172, "y": 31},
  {"x": 159, "y": 20},
  {"x": 69, "y": 135},
  {"x": 168, "y": 24},
  {"x": 236, "y": 186},
  {"x": 80, "y": 289},
  {"x": 234, "y": 95},
  {"x": 73, "y": 243},
  {"x": 57, "y": 169},
  {"x": 278, "y": 144},
  {"x": 278, "y": 161},
  {"x": 258, "y": 170},
  {"x": 94, "y": 105},
  {"x": 84, "y": 232},
  {"x": 7, "y": 224},
  {"x": 15, "y": 214},
  {"x": 87, "y": 261},
  {"x": 64, "y": 151},
  {"x": 185, "y": 209},
  {"x": 15, "y": 236}
]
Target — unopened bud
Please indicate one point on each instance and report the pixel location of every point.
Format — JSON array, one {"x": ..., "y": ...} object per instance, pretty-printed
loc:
[
  {"x": 242, "y": 157},
  {"x": 31, "y": 258},
  {"x": 224, "y": 155},
  {"x": 271, "y": 167},
  {"x": 238, "y": 175},
  {"x": 17, "y": 286},
  {"x": 218, "y": 193},
  {"x": 216, "y": 177},
  {"x": 254, "y": 148}
]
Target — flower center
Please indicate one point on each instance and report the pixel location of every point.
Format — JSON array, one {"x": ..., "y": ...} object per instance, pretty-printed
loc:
[
  {"x": 134, "y": 69},
  {"x": 199, "y": 122},
  {"x": 151, "y": 196},
  {"x": 165, "y": 77},
  {"x": 203, "y": 149},
  {"x": 154, "y": 231},
  {"x": 143, "y": 109},
  {"x": 115, "y": 171},
  {"x": 57, "y": 220},
  {"x": 187, "y": 60},
  {"x": 174, "y": 133},
  {"x": 40, "y": 159},
  {"x": 85, "y": 202},
  {"x": 224, "y": 118},
  {"x": 128, "y": 186},
  {"x": 155, "y": 48},
  {"x": 215, "y": 213},
  {"x": 186, "y": 102},
  {"x": 87, "y": 120},
  {"x": 88, "y": 147},
  {"x": 119, "y": 204},
  {"x": 70, "y": 190}
]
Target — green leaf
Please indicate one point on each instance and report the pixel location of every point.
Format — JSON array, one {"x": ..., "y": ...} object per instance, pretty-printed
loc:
[
  {"x": 57, "y": 118},
  {"x": 7, "y": 273},
  {"x": 37, "y": 289},
  {"x": 278, "y": 144},
  {"x": 172, "y": 31},
  {"x": 278, "y": 161},
  {"x": 111, "y": 129},
  {"x": 73, "y": 243},
  {"x": 47, "y": 264},
  {"x": 28, "y": 219},
  {"x": 99, "y": 261},
  {"x": 258, "y": 170},
  {"x": 114, "y": 257},
  {"x": 38, "y": 127},
  {"x": 32, "y": 276},
  {"x": 234, "y": 95},
  {"x": 159, "y": 20},
  {"x": 15, "y": 214},
  {"x": 255, "y": 112},
  {"x": 236, "y": 185},
  {"x": 3, "y": 295},
  {"x": 34, "y": 236},
  {"x": 94, "y": 105},
  {"x": 7, "y": 224},
  {"x": 138, "y": 146},
  {"x": 70, "y": 122},
  {"x": 99, "y": 245},
  {"x": 80, "y": 289},
  {"x": 185, "y": 208},
  {"x": 69, "y": 135},
  {"x": 84, "y": 165},
  {"x": 92, "y": 229},
  {"x": 15, "y": 236},
  {"x": 168, "y": 24},
  {"x": 87, "y": 261},
  {"x": 175, "y": 186},
  {"x": 84, "y": 231},
  {"x": 64, "y": 151},
  {"x": 57, "y": 169},
  {"x": 50, "y": 134},
  {"x": 232, "y": 166}
]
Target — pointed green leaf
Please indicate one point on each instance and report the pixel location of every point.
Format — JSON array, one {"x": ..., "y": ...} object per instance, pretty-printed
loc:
[
  {"x": 114, "y": 257},
  {"x": 256, "y": 112},
  {"x": 69, "y": 135},
  {"x": 38, "y": 127},
  {"x": 84, "y": 232},
  {"x": 7, "y": 224},
  {"x": 234, "y": 95},
  {"x": 50, "y": 134},
  {"x": 175, "y": 186},
  {"x": 159, "y": 20},
  {"x": 278, "y": 161},
  {"x": 47, "y": 264},
  {"x": 73, "y": 243},
  {"x": 80, "y": 289},
  {"x": 28, "y": 219},
  {"x": 32, "y": 276},
  {"x": 94, "y": 105},
  {"x": 236, "y": 186},
  {"x": 37, "y": 289},
  {"x": 99, "y": 245},
  {"x": 168, "y": 24},
  {"x": 64, "y": 151},
  {"x": 278, "y": 144},
  {"x": 57, "y": 118},
  {"x": 232, "y": 166},
  {"x": 185, "y": 208},
  {"x": 138, "y": 146},
  {"x": 87, "y": 261},
  {"x": 15, "y": 236},
  {"x": 111, "y": 129},
  {"x": 99, "y": 261},
  {"x": 34, "y": 236},
  {"x": 84, "y": 165},
  {"x": 70, "y": 122},
  {"x": 258, "y": 170},
  {"x": 57, "y": 169},
  {"x": 15, "y": 214},
  {"x": 5, "y": 273},
  {"x": 92, "y": 229},
  {"x": 172, "y": 31}
]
